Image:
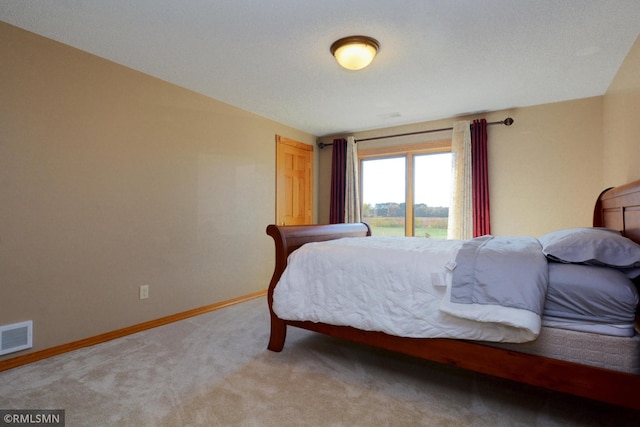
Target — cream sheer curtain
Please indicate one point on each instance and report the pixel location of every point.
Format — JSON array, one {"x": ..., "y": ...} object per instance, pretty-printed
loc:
[
  {"x": 461, "y": 206},
  {"x": 352, "y": 185}
]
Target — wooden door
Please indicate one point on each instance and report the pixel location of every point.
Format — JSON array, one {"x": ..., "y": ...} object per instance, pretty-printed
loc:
[{"x": 294, "y": 182}]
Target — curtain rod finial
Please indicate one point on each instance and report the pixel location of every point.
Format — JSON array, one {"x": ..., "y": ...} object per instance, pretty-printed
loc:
[{"x": 508, "y": 121}]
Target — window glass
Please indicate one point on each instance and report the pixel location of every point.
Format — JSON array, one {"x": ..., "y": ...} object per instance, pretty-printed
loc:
[
  {"x": 431, "y": 196},
  {"x": 384, "y": 194}
]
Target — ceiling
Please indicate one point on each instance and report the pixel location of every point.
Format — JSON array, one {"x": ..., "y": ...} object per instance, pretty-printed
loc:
[{"x": 437, "y": 59}]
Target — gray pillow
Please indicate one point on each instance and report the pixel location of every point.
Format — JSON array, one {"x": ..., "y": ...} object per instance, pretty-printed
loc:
[{"x": 592, "y": 246}]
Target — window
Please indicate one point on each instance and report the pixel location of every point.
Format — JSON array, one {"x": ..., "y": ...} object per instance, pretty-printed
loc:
[{"x": 406, "y": 190}]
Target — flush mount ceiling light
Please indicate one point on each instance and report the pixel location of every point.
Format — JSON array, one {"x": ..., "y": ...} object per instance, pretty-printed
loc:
[{"x": 355, "y": 52}]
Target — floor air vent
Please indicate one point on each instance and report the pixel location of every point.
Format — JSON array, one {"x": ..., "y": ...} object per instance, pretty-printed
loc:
[{"x": 16, "y": 337}]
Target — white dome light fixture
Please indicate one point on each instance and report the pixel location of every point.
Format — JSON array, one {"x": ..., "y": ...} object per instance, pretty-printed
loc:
[{"x": 355, "y": 52}]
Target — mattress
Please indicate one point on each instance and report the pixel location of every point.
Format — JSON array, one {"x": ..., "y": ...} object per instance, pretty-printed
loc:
[{"x": 602, "y": 351}]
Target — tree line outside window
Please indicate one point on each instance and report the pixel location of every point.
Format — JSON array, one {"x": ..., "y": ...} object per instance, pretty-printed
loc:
[{"x": 392, "y": 209}]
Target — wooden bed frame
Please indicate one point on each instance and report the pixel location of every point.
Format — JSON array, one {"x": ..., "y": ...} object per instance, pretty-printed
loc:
[{"x": 617, "y": 208}]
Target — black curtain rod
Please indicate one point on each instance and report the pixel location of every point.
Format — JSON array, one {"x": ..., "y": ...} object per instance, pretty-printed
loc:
[{"x": 507, "y": 122}]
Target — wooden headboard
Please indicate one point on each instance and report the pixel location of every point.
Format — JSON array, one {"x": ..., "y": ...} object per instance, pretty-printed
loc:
[{"x": 618, "y": 208}]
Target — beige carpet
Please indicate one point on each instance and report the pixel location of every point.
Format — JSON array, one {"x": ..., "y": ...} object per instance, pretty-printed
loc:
[{"x": 214, "y": 370}]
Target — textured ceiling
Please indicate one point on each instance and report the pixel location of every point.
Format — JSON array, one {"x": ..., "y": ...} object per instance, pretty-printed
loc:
[{"x": 437, "y": 59}]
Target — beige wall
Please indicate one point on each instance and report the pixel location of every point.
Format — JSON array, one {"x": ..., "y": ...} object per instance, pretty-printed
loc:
[
  {"x": 546, "y": 170},
  {"x": 110, "y": 179},
  {"x": 621, "y": 118}
]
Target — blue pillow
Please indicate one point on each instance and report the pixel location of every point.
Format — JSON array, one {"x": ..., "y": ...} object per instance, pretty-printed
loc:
[{"x": 592, "y": 246}]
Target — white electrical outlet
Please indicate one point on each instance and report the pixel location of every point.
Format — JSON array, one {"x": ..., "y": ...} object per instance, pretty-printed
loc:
[{"x": 144, "y": 291}]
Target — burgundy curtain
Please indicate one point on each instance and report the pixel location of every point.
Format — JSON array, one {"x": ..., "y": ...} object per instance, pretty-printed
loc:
[
  {"x": 480, "y": 179},
  {"x": 338, "y": 181}
]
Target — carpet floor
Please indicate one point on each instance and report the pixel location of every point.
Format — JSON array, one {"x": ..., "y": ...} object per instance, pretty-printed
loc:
[{"x": 214, "y": 370}]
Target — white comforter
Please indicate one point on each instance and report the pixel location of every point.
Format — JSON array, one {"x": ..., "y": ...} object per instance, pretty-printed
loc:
[{"x": 397, "y": 286}]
